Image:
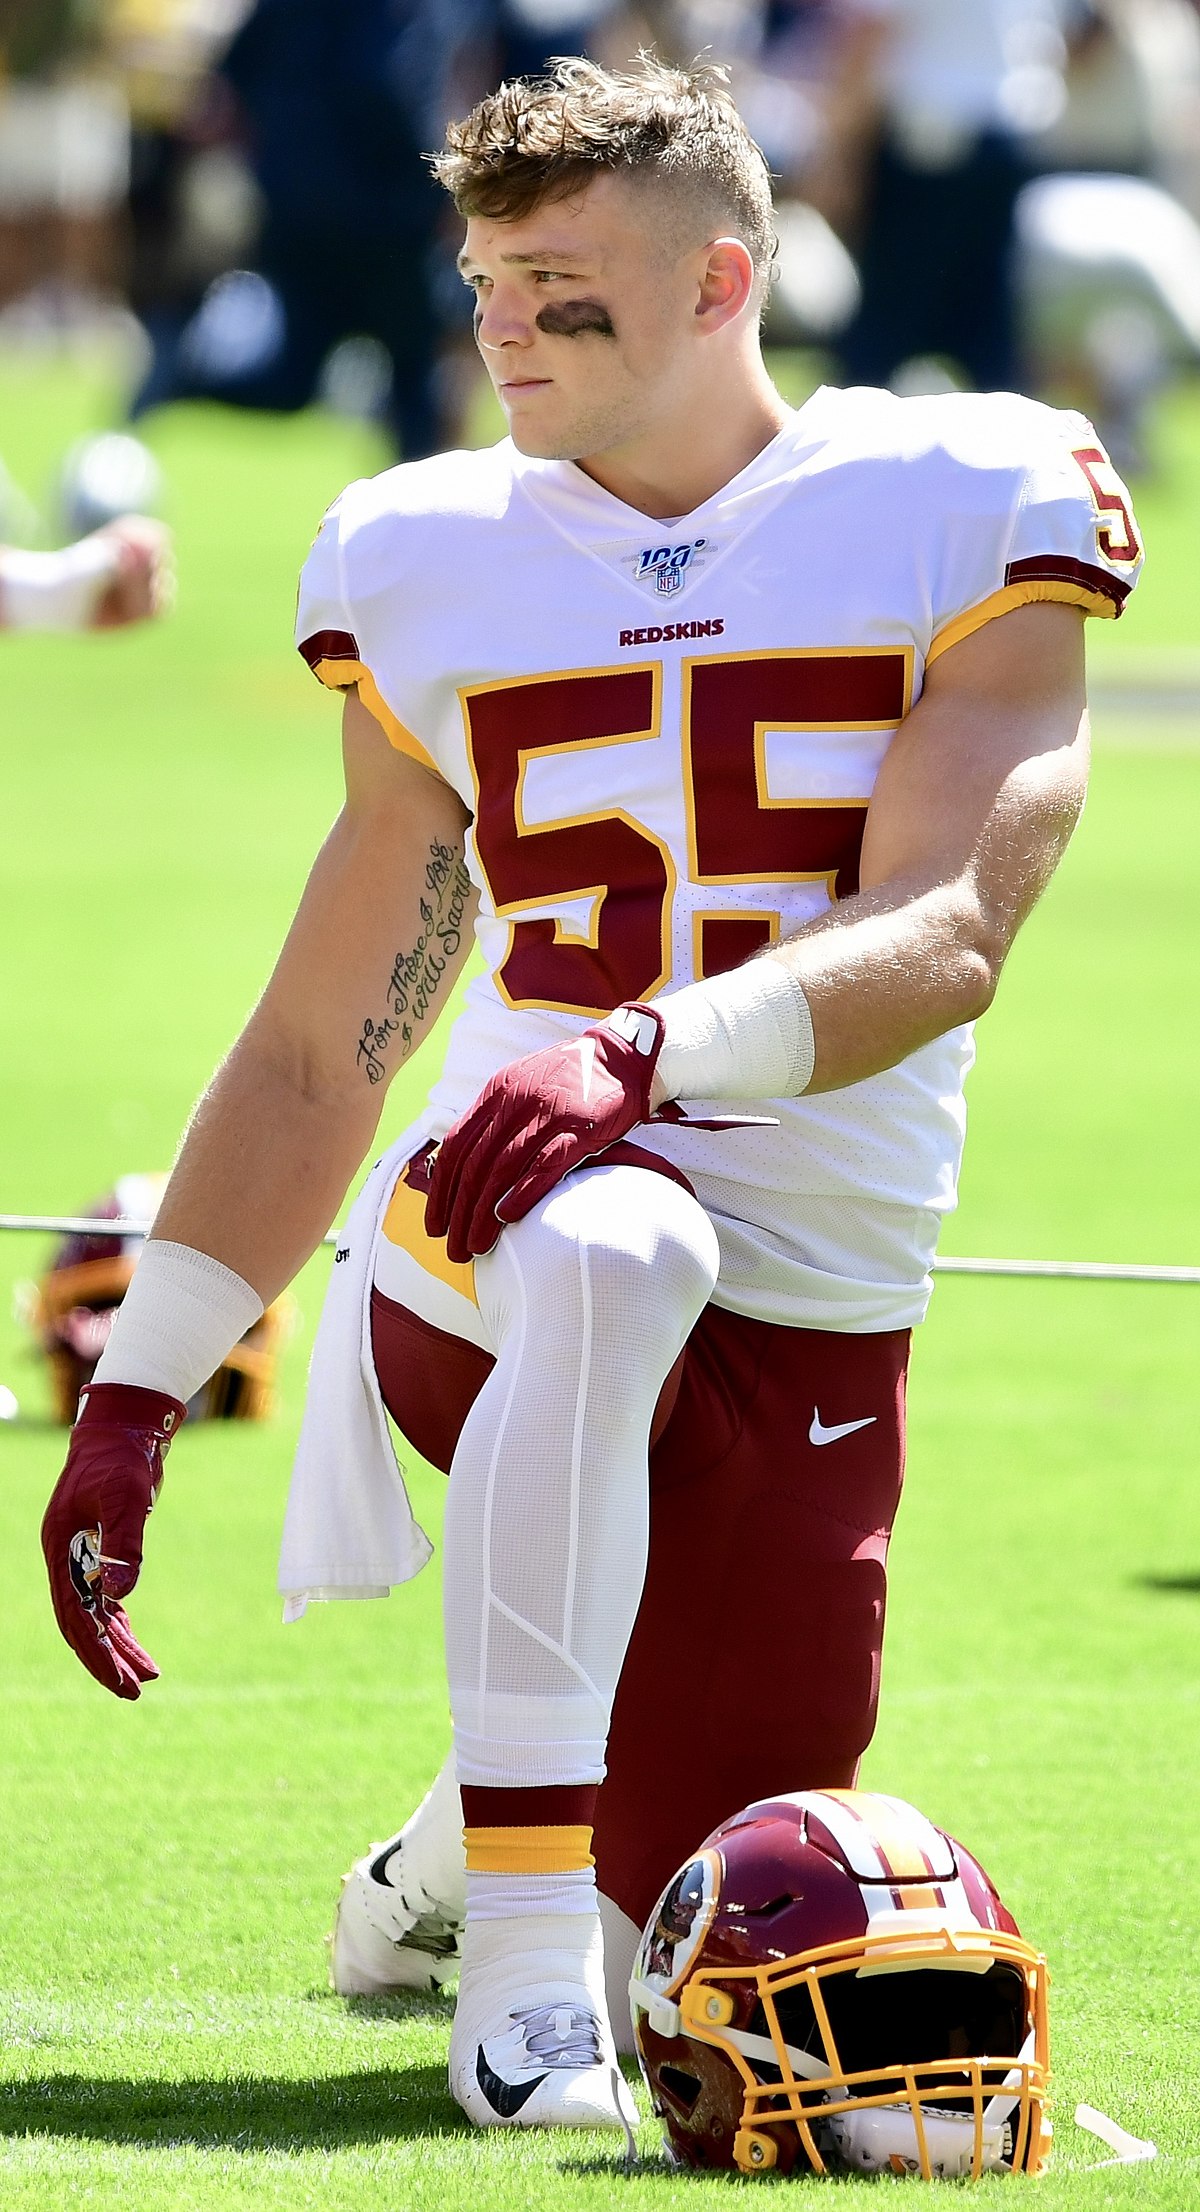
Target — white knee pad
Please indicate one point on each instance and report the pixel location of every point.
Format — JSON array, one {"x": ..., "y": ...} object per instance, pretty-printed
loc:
[{"x": 588, "y": 1301}]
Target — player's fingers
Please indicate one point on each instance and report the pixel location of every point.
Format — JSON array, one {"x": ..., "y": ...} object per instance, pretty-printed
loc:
[
  {"x": 483, "y": 1173},
  {"x": 86, "y": 1629},
  {"x": 474, "y": 1226},
  {"x": 122, "y": 1531},
  {"x": 126, "y": 1646},
  {"x": 453, "y": 1153},
  {"x": 92, "y": 1643}
]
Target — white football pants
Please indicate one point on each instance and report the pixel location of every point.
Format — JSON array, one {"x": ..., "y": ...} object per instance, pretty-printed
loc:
[{"x": 588, "y": 1303}]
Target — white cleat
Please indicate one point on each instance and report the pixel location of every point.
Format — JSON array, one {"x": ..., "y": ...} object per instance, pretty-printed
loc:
[
  {"x": 389, "y": 1933},
  {"x": 531, "y": 2044},
  {"x": 403, "y": 1907}
]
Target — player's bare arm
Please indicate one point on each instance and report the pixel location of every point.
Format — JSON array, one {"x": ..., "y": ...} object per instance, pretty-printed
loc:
[
  {"x": 380, "y": 936},
  {"x": 972, "y": 812}
]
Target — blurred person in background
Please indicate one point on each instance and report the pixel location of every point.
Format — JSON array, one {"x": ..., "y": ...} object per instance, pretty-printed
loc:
[
  {"x": 193, "y": 208},
  {"x": 64, "y": 162},
  {"x": 939, "y": 102},
  {"x": 115, "y": 576},
  {"x": 337, "y": 100}
]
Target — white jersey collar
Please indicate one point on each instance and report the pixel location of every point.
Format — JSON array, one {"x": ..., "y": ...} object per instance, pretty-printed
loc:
[{"x": 665, "y": 559}]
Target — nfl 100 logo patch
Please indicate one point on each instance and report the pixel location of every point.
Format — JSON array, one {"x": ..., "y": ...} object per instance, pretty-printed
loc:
[{"x": 666, "y": 565}]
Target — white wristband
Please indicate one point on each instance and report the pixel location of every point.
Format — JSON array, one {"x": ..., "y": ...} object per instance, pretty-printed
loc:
[
  {"x": 745, "y": 1034},
  {"x": 179, "y": 1317},
  {"x": 56, "y": 591}
]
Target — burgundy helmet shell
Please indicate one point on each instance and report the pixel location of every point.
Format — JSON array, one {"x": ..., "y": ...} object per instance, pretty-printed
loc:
[
  {"x": 78, "y": 1299},
  {"x": 833, "y": 1985}
]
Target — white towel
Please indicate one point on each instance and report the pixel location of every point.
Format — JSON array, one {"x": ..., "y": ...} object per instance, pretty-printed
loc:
[{"x": 349, "y": 1530}]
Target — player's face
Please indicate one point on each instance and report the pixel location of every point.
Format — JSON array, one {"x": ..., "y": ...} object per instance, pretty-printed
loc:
[{"x": 582, "y": 317}]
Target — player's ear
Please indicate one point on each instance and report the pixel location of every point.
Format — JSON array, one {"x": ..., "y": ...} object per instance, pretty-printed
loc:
[{"x": 726, "y": 287}]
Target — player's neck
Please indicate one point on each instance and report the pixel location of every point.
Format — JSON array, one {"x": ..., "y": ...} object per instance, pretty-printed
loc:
[{"x": 672, "y": 467}]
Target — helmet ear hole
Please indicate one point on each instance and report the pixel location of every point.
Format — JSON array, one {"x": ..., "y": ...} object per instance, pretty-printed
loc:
[{"x": 682, "y": 2088}]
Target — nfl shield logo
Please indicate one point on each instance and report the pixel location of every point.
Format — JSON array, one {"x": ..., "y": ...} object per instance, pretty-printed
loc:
[{"x": 666, "y": 565}]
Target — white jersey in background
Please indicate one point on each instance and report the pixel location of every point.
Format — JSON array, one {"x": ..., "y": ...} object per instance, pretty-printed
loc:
[
  {"x": 953, "y": 69},
  {"x": 668, "y": 737}
]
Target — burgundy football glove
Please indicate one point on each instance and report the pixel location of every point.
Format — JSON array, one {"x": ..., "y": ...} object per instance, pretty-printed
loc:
[
  {"x": 95, "y": 1521},
  {"x": 536, "y": 1120}
]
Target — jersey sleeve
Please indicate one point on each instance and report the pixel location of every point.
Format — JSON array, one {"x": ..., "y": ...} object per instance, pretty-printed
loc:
[
  {"x": 1073, "y": 536},
  {"x": 326, "y": 634}
]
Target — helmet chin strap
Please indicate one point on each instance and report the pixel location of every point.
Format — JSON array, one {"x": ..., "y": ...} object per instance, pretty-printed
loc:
[
  {"x": 761, "y": 2047},
  {"x": 998, "y": 2107},
  {"x": 1131, "y": 2150}
]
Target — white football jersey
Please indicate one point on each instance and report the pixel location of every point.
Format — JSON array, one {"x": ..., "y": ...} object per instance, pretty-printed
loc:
[{"x": 668, "y": 736}]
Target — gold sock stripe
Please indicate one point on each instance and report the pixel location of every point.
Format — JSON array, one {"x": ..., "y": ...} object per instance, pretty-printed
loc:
[{"x": 566, "y": 1850}]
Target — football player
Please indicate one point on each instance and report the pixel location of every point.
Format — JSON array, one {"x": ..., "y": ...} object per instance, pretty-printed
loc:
[
  {"x": 743, "y": 740},
  {"x": 116, "y": 575}
]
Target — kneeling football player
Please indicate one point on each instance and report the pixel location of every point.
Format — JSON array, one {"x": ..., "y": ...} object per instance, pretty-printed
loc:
[{"x": 743, "y": 740}]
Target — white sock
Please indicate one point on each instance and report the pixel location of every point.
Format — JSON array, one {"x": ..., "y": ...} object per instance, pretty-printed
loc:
[{"x": 531, "y": 1897}]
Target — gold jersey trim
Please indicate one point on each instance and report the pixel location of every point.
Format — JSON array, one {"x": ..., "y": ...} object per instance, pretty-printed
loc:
[
  {"x": 1018, "y": 595},
  {"x": 341, "y": 675}
]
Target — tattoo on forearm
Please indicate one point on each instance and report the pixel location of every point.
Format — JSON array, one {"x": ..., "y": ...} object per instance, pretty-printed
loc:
[{"x": 416, "y": 975}]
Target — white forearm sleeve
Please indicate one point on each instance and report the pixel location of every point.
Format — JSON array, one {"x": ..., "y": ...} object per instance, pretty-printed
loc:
[
  {"x": 746, "y": 1034},
  {"x": 56, "y": 591},
  {"x": 179, "y": 1317}
]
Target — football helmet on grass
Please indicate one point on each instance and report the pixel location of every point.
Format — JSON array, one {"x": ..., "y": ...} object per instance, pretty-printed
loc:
[{"x": 833, "y": 1984}]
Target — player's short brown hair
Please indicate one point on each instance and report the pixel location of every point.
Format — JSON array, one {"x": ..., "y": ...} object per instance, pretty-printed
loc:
[{"x": 541, "y": 138}]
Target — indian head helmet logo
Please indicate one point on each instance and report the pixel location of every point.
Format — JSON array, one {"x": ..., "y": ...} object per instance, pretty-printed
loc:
[{"x": 666, "y": 565}]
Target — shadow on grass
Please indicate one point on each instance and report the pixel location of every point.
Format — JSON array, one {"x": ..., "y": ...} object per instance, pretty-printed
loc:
[
  {"x": 654, "y": 2165},
  {"x": 1188, "y": 1585},
  {"x": 248, "y": 2112},
  {"x": 402, "y": 2004}
]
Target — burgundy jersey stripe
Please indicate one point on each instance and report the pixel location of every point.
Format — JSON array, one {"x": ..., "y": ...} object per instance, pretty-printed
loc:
[
  {"x": 330, "y": 645},
  {"x": 1060, "y": 568}
]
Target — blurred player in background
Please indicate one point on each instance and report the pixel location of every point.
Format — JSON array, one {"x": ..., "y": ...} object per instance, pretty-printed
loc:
[
  {"x": 746, "y": 739},
  {"x": 72, "y": 1309},
  {"x": 120, "y": 574},
  {"x": 948, "y": 96},
  {"x": 120, "y": 566},
  {"x": 336, "y": 101},
  {"x": 64, "y": 161}
]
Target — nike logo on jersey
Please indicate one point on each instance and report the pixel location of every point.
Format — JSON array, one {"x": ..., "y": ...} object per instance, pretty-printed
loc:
[
  {"x": 819, "y": 1434},
  {"x": 505, "y": 2097}
]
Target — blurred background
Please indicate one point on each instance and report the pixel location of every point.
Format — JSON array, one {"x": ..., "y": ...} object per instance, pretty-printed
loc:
[{"x": 230, "y": 197}]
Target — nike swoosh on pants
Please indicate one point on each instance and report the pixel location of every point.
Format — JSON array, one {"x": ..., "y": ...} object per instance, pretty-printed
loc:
[{"x": 819, "y": 1434}]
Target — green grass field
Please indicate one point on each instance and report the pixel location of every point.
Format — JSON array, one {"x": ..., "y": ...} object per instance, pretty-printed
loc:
[{"x": 168, "y": 1869}]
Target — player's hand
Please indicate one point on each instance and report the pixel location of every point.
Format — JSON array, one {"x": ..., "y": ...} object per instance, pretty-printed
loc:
[
  {"x": 144, "y": 584},
  {"x": 536, "y": 1120},
  {"x": 95, "y": 1521}
]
